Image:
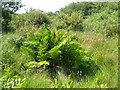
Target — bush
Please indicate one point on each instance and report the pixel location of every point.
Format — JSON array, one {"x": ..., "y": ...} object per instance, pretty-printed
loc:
[
  {"x": 47, "y": 50},
  {"x": 104, "y": 22},
  {"x": 71, "y": 21},
  {"x": 60, "y": 49},
  {"x": 33, "y": 18}
]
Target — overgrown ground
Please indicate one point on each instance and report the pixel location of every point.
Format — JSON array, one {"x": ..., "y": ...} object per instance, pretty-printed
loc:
[
  {"x": 76, "y": 47},
  {"x": 100, "y": 47}
]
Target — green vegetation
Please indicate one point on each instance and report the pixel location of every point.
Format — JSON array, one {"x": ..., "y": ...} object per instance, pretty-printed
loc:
[
  {"x": 32, "y": 18},
  {"x": 75, "y": 47},
  {"x": 71, "y": 21},
  {"x": 8, "y": 8}
]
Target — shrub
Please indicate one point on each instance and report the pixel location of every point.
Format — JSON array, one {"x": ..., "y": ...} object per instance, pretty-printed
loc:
[
  {"x": 71, "y": 21},
  {"x": 104, "y": 22},
  {"x": 34, "y": 18},
  {"x": 60, "y": 49}
]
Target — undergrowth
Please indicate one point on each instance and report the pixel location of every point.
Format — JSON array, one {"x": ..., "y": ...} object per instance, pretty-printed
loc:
[{"x": 48, "y": 50}]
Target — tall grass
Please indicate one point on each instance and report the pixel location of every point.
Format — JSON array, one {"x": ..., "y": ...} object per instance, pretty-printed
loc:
[
  {"x": 102, "y": 48},
  {"x": 105, "y": 50}
]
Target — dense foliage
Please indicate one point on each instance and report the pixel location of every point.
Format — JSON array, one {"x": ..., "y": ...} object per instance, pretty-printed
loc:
[
  {"x": 33, "y": 18},
  {"x": 105, "y": 22},
  {"x": 71, "y": 21},
  {"x": 9, "y": 8},
  {"x": 100, "y": 17}
]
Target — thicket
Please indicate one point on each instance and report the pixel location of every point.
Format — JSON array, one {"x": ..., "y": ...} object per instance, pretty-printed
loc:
[
  {"x": 32, "y": 18},
  {"x": 91, "y": 16},
  {"x": 89, "y": 8},
  {"x": 85, "y": 16}
]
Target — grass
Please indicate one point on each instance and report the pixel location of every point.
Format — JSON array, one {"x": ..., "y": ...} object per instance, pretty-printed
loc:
[
  {"x": 0, "y": 79},
  {"x": 104, "y": 50},
  {"x": 39, "y": 80}
]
